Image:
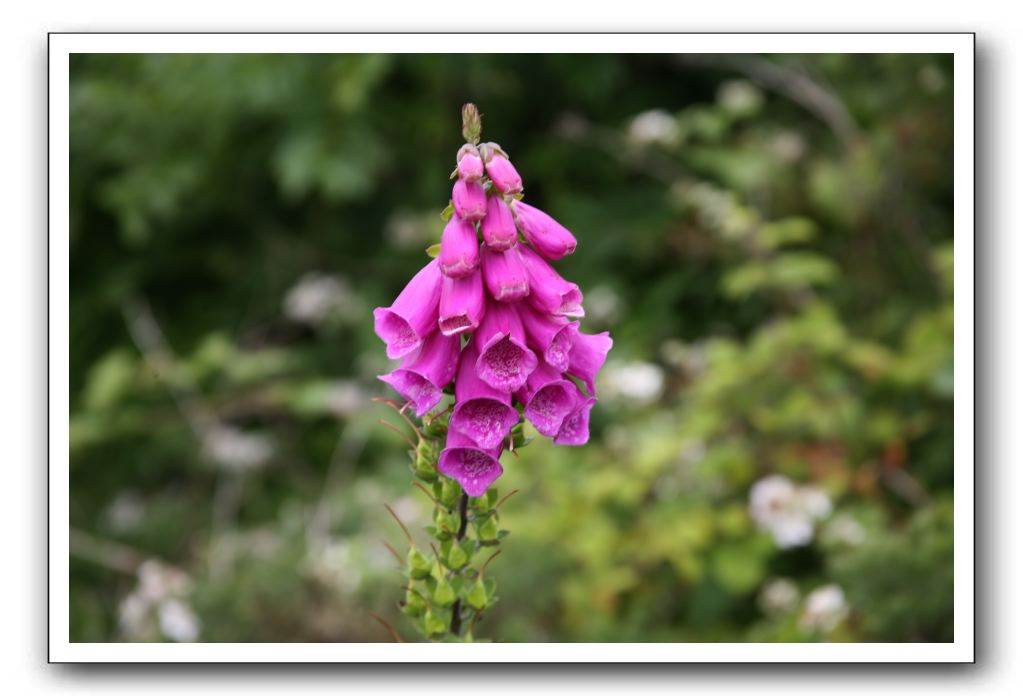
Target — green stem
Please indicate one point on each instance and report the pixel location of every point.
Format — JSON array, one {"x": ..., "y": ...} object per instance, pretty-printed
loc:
[{"x": 463, "y": 514}]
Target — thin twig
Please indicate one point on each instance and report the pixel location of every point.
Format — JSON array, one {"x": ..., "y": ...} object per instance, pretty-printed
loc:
[
  {"x": 109, "y": 554},
  {"x": 484, "y": 567},
  {"x": 401, "y": 561},
  {"x": 400, "y": 412},
  {"x": 472, "y": 624},
  {"x": 390, "y": 629},
  {"x": 392, "y": 426},
  {"x": 400, "y": 524},
  {"x": 425, "y": 490},
  {"x": 508, "y": 495}
]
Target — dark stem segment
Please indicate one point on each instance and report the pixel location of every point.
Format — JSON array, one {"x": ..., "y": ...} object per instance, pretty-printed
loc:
[{"x": 463, "y": 515}]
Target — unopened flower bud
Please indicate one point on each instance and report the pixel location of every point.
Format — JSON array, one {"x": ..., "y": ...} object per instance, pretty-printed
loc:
[
  {"x": 470, "y": 165},
  {"x": 505, "y": 275},
  {"x": 470, "y": 200},
  {"x": 545, "y": 233},
  {"x": 459, "y": 248},
  {"x": 500, "y": 169},
  {"x": 498, "y": 227}
]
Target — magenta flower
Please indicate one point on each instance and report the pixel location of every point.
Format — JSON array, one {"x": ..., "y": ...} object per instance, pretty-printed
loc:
[
  {"x": 542, "y": 231},
  {"x": 459, "y": 249},
  {"x": 549, "y": 398},
  {"x": 470, "y": 165},
  {"x": 504, "y": 362},
  {"x": 500, "y": 170},
  {"x": 548, "y": 291},
  {"x": 413, "y": 315},
  {"x": 422, "y": 377},
  {"x": 498, "y": 227},
  {"x": 483, "y": 414},
  {"x": 473, "y": 467},
  {"x": 587, "y": 356},
  {"x": 550, "y": 336},
  {"x": 504, "y": 274},
  {"x": 575, "y": 429},
  {"x": 524, "y": 355},
  {"x": 469, "y": 199},
  {"x": 462, "y": 304}
]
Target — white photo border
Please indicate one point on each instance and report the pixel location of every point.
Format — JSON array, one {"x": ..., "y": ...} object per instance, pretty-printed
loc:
[{"x": 61, "y": 649}]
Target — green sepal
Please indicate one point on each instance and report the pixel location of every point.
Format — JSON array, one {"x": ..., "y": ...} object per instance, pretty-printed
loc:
[
  {"x": 444, "y": 594},
  {"x": 433, "y": 624},
  {"x": 435, "y": 427},
  {"x": 476, "y": 597},
  {"x": 419, "y": 566},
  {"x": 413, "y": 605},
  {"x": 433, "y": 251},
  {"x": 456, "y": 557},
  {"x": 488, "y": 530},
  {"x": 450, "y": 492},
  {"x": 519, "y": 438},
  {"x": 448, "y": 211}
]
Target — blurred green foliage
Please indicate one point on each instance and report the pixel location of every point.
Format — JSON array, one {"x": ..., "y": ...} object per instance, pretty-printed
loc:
[{"x": 768, "y": 238}]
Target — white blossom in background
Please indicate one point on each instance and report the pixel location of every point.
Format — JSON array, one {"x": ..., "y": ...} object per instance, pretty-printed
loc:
[
  {"x": 178, "y": 622},
  {"x": 158, "y": 606},
  {"x": 655, "y": 127},
  {"x": 338, "y": 566},
  {"x": 125, "y": 512},
  {"x": 740, "y": 97},
  {"x": 312, "y": 299},
  {"x": 237, "y": 450},
  {"x": 788, "y": 512},
  {"x": 824, "y": 609},
  {"x": 412, "y": 230},
  {"x": 637, "y": 382},
  {"x": 844, "y": 529},
  {"x": 603, "y": 305},
  {"x": 690, "y": 358},
  {"x": 346, "y": 398},
  {"x": 787, "y": 146},
  {"x": 778, "y": 596}
]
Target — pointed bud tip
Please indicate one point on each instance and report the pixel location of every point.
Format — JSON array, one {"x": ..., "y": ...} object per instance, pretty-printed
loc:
[{"x": 472, "y": 123}]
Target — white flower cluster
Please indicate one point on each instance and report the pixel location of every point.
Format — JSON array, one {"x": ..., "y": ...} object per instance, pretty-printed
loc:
[
  {"x": 158, "y": 606},
  {"x": 316, "y": 296},
  {"x": 655, "y": 127},
  {"x": 237, "y": 450},
  {"x": 638, "y": 383},
  {"x": 786, "y": 510},
  {"x": 824, "y": 609}
]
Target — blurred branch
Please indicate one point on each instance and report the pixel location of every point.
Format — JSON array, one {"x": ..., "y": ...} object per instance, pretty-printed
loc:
[
  {"x": 151, "y": 343},
  {"x": 788, "y": 82},
  {"x": 156, "y": 351},
  {"x": 347, "y": 451},
  {"x": 108, "y": 554}
]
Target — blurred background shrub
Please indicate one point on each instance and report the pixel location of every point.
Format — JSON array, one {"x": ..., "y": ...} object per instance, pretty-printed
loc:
[{"x": 769, "y": 239}]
